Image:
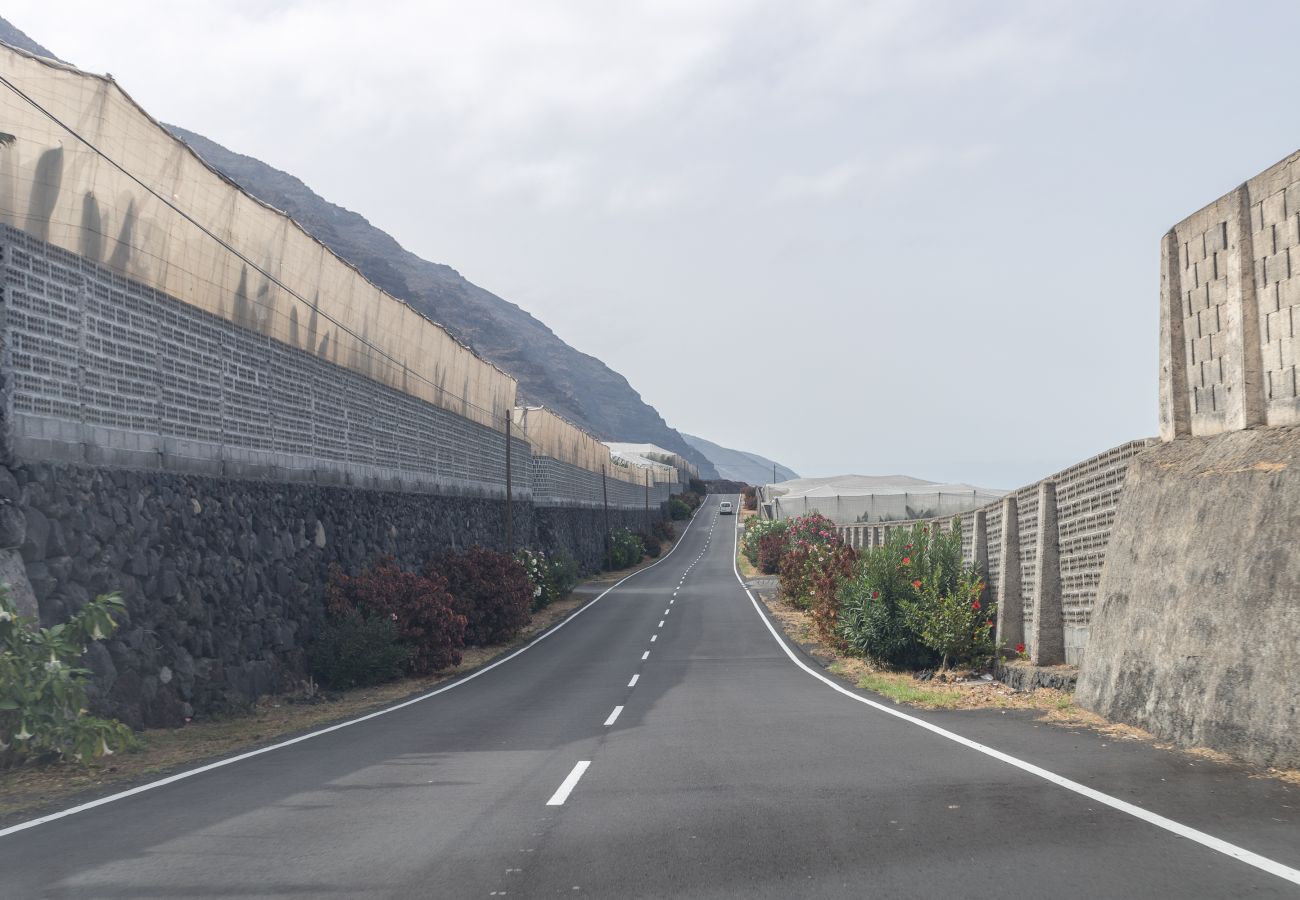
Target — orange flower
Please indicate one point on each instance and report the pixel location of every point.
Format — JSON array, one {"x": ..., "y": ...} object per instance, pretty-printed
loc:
[
  {"x": 917, "y": 584},
  {"x": 907, "y": 560}
]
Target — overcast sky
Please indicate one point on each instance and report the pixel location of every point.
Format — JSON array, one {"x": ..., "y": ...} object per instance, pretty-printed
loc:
[{"x": 915, "y": 237}]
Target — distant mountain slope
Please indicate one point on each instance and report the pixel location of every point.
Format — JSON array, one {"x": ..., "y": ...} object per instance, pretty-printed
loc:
[
  {"x": 550, "y": 372},
  {"x": 737, "y": 465},
  {"x": 15, "y": 38}
]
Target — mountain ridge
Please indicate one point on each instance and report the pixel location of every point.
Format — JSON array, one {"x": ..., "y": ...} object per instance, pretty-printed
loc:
[{"x": 740, "y": 465}]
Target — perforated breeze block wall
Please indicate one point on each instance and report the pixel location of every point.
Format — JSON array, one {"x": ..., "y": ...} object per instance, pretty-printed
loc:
[
  {"x": 1087, "y": 497},
  {"x": 1230, "y": 289}
]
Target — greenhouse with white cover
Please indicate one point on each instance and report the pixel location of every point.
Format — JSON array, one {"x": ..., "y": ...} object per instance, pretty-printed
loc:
[{"x": 848, "y": 499}]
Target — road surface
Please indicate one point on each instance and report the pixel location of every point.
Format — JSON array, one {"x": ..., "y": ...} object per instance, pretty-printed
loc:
[{"x": 664, "y": 743}]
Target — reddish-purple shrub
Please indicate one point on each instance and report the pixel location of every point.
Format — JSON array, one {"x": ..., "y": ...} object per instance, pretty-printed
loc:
[
  {"x": 771, "y": 547},
  {"x": 491, "y": 590},
  {"x": 662, "y": 529},
  {"x": 421, "y": 605}
]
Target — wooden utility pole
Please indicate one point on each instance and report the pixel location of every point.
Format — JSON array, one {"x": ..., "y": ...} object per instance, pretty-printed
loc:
[
  {"x": 510, "y": 506},
  {"x": 604, "y": 490}
]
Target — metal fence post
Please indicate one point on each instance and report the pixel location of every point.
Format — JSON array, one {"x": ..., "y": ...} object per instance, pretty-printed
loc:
[{"x": 604, "y": 491}]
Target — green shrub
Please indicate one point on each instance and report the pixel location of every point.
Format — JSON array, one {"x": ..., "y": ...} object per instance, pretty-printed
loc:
[
  {"x": 43, "y": 687},
  {"x": 428, "y": 623},
  {"x": 755, "y": 530},
  {"x": 357, "y": 650},
  {"x": 678, "y": 510},
  {"x": 876, "y": 616},
  {"x": 553, "y": 578},
  {"x": 625, "y": 549},
  {"x": 914, "y": 602}
]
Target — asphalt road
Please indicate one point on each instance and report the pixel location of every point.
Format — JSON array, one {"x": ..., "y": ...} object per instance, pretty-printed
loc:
[{"x": 716, "y": 767}]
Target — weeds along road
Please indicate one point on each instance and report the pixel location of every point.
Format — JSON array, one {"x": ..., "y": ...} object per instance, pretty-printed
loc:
[{"x": 664, "y": 743}]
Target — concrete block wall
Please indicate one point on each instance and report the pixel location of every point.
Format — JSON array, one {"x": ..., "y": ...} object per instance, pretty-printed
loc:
[
  {"x": 1230, "y": 310},
  {"x": 103, "y": 370},
  {"x": 1086, "y": 497}
]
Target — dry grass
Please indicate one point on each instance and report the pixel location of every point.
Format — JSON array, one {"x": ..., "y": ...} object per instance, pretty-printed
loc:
[{"x": 273, "y": 718}]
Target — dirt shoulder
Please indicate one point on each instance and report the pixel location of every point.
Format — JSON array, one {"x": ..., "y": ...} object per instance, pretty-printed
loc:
[{"x": 33, "y": 789}]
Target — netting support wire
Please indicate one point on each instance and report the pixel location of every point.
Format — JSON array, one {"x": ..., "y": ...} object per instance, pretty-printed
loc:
[{"x": 223, "y": 244}]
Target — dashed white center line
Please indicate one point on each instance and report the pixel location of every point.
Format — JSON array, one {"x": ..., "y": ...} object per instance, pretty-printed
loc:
[
  {"x": 667, "y": 611},
  {"x": 653, "y": 638},
  {"x": 634, "y": 680},
  {"x": 661, "y": 623},
  {"x": 645, "y": 656},
  {"x": 566, "y": 787},
  {"x": 613, "y": 716}
]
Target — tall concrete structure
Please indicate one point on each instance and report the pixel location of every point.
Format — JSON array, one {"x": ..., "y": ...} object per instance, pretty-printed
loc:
[{"x": 1196, "y": 635}]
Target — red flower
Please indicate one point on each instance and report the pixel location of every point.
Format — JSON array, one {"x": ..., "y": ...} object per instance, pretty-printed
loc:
[
  {"x": 907, "y": 560},
  {"x": 907, "y": 547},
  {"x": 1020, "y": 648},
  {"x": 917, "y": 584},
  {"x": 988, "y": 624},
  {"x": 875, "y": 594},
  {"x": 975, "y": 605}
]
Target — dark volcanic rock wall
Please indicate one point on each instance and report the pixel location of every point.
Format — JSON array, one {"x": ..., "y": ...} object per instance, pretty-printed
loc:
[{"x": 225, "y": 578}]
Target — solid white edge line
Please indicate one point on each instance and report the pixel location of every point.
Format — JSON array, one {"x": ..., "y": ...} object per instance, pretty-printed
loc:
[
  {"x": 613, "y": 717},
  {"x": 1207, "y": 840},
  {"x": 189, "y": 773},
  {"x": 568, "y": 784},
  {"x": 634, "y": 680}
]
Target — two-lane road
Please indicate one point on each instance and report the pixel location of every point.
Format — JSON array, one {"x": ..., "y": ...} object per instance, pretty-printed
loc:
[{"x": 664, "y": 742}]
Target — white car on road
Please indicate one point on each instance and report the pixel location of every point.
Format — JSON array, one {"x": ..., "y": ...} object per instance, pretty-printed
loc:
[{"x": 724, "y": 508}]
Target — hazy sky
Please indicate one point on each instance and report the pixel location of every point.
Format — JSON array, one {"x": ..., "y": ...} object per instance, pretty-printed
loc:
[{"x": 913, "y": 237}]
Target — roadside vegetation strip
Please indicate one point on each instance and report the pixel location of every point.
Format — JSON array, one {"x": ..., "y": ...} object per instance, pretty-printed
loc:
[
  {"x": 1263, "y": 863},
  {"x": 457, "y": 682}
]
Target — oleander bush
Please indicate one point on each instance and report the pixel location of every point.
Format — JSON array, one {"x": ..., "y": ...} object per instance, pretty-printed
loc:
[
  {"x": 491, "y": 590},
  {"x": 755, "y": 530},
  {"x": 552, "y": 577},
  {"x": 625, "y": 549},
  {"x": 429, "y": 625},
  {"x": 913, "y": 602},
  {"x": 355, "y": 649},
  {"x": 807, "y": 566},
  {"x": 663, "y": 529},
  {"x": 43, "y": 686},
  {"x": 651, "y": 544}
]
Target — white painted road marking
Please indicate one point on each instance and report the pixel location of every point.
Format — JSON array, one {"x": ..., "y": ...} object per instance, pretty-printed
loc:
[
  {"x": 667, "y": 611},
  {"x": 613, "y": 716},
  {"x": 566, "y": 787},
  {"x": 633, "y": 682},
  {"x": 1207, "y": 840},
  {"x": 653, "y": 638},
  {"x": 645, "y": 656}
]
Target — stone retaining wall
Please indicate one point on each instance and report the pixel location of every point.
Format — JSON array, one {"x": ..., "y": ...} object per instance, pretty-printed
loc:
[{"x": 225, "y": 578}]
